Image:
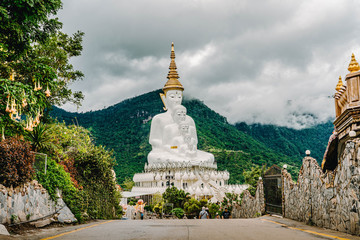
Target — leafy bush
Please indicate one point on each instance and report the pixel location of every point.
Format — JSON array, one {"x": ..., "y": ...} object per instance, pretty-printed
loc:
[
  {"x": 213, "y": 209},
  {"x": 84, "y": 172},
  {"x": 178, "y": 212},
  {"x": 252, "y": 177},
  {"x": 192, "y": 207},
  {"x": 231, "y": 198},
  {"x": 158, "y": 208},
  {"x": 56, "y": 178},
  {"x": 176, "y": 196},
  {"x": 16, "y": 162},
  {"x": 203, "y": 202}
]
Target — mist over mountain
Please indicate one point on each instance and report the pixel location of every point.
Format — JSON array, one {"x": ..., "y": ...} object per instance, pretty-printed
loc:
[{"x": 125, "y": 128}]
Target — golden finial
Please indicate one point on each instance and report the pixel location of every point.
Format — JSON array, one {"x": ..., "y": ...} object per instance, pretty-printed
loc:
[
  {"x": 339, "y": 85},
  {"x": 173, "y": 82},
  {"x": 353, "y": 66}
]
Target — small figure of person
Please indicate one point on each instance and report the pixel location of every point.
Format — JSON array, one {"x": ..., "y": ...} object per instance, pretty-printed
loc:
[
  {"x": 203, "y": 214},
  {"x": 226, "y": 214},
  {"x": 217, "y": 216},
  {"x": 207, "y": 210},
  {"x": 140, "y": 207}
]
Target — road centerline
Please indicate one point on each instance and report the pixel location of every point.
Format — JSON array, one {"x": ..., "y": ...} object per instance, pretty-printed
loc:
[
  {"x": 76, "y": 230},
  {"x": 307, "y": 231}
]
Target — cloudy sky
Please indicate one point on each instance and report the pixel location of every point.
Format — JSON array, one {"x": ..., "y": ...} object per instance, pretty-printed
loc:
[{"x": 269, "y": 61}]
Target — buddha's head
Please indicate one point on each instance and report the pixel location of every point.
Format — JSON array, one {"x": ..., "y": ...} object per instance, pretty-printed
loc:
[
  {"x": 173, "y": 98},
  {"x": 179, "y": 114},
  {"x": 184, "y": 128}
]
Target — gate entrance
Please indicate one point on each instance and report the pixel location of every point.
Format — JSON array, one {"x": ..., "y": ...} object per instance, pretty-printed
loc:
[{"x": 272, "y": 190}]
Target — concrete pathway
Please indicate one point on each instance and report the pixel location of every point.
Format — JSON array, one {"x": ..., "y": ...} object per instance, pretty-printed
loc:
[{"x": 266, "y": 227}]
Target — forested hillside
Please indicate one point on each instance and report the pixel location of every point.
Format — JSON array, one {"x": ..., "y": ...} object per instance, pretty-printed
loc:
[
  {"x": 291, "y": 142},
  {"x": 125, "y": 128}
]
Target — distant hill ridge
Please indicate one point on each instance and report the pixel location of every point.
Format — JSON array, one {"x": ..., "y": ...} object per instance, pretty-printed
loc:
[{"x": 125, "y": 127}]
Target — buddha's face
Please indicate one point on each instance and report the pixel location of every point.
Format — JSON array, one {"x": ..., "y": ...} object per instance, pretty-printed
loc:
[
  {"x": 179, "y": 115},
  {"x": 184, "y": 128},
  {"x": 173, "y": 98}
]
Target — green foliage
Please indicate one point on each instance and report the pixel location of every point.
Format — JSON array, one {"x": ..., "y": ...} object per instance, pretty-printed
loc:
[
  {"x": 34, "y": 63},
  {"x": 178, "y": 212},
  {"x": 203, "y": 202},
  {"x": 56, "y": 178},
  {"x": 38, "y": 138},
  {"x": 291, "y": 142},
  {"x": 156, "y": 199},
  {"x": 252, "y": 177},
  {"x": 229, "y": 200},
  {"x": 128, "y": 184},
  {"x": 192, "y": 207},
  {"x": 213, "y": 209},
  {"x": 16, "y": 162},
  {"x": 176, "y": 196},
  {"x": 158, "y": 208},
  {"x": 88, "y": 181}
]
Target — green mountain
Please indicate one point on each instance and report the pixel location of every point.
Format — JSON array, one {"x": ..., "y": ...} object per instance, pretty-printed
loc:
[
  {"x": 291, "y": 142},
  {"x": 125, "y": 128}
]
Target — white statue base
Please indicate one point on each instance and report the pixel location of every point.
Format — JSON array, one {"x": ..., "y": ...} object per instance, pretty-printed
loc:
[{"x": 200, "y": 180}]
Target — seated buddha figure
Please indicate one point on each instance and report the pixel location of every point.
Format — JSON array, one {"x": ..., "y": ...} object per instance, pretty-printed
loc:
[
  {"x": 173, "y": 133},
  {"x": 180, "y": 137}
]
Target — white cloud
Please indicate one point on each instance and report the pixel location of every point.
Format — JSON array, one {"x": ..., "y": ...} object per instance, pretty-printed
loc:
[{"x": 265, "y": 61}]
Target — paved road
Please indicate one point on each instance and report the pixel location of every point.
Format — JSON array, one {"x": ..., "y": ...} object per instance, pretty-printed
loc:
[{"x": 260, "y": 228}]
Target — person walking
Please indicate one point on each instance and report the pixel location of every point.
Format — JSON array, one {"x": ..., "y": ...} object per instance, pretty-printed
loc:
[
  {"x": 203, "y": 214},
  {"x": 226, "y": 214},
  {"x": 207, "y": 210}
]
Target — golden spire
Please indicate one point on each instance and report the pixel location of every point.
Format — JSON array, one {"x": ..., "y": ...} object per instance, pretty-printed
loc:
[
  {"x": 353, "y": 66},
  {"x": 339, "y": 85},
  {"x": 173, "y": 82}
]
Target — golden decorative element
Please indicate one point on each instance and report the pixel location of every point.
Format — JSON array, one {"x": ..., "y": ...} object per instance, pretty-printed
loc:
[
  {"x": 162, "y": 96},
  {"x": 173, "y": 147},
  {"x": 354, "y": 65},
  {"x": 339, "y": 85},
  {"x": 173, "y": 82}
]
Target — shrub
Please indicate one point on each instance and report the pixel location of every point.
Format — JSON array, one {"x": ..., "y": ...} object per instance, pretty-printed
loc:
[
  {"x": 57, "y": 178},
  {"x": 178, "y": 212},
  {"x": 176, "y": 196},
  {"x": 213, "y": 209},
  {"x": 158, "y": 208},
  {"x": 192, "y": 207},
  {"x": 16, "y": 162}
]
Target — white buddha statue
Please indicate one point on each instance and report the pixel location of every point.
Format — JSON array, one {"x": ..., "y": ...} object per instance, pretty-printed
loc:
[{"x": 173, "y": 134}]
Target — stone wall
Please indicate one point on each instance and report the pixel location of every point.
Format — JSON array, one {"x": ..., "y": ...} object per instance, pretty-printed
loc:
[
  {"x": 31, "y": 201},
  {"x": 329, "y": 200},
  {"x": 251, "y": 206}
]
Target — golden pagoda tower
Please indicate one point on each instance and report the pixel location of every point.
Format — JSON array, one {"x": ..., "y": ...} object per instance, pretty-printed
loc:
[{"x": 173, "y": 77}]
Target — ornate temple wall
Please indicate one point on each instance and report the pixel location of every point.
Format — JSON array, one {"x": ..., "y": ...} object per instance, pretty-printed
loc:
[
  {"x": 251, "y": 207},
  {"x": 31, "y": 201},
  {"x": 329, "y": 200}
]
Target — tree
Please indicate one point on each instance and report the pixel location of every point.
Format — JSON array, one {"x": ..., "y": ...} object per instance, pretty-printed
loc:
[
  {"x": 34, "y": 63},
  {"x": 128, "y": 184},
  {"x": 252, "y": 177},
  {"x": 176, "y": 196},
  {"x": 192, "y": 207}
]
